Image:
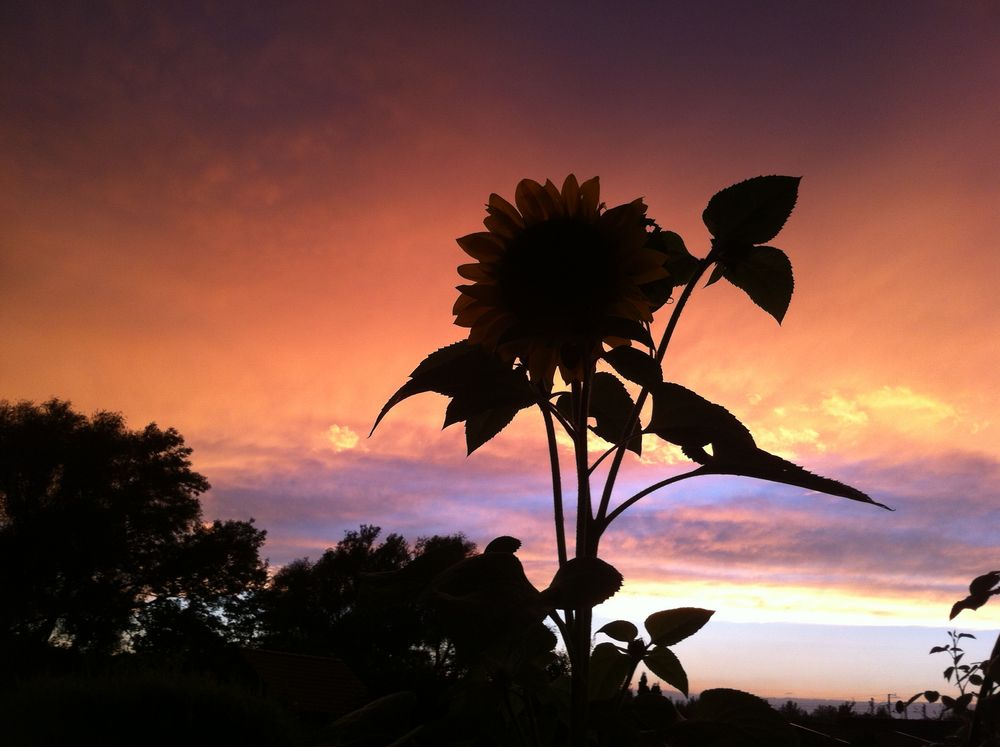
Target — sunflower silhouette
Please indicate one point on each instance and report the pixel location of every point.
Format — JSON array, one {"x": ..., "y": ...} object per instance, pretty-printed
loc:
[{"x": 557, "y": 276}]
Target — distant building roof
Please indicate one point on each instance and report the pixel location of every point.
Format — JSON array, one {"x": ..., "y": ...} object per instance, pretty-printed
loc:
[{"x": 308, "y": 684}]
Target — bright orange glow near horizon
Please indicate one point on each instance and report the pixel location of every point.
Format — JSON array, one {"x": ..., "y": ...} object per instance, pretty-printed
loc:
[{"x": 241, "y": 223}]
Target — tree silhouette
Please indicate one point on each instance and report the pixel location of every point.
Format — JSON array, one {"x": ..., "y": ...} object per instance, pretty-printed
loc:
[
  {"x": 101, "y": 534},
  {"x": 359, "y": 602}
]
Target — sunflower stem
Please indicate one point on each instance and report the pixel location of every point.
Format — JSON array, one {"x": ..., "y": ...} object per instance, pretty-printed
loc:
[
  {"x": 601, "y": 458},
  {"x": 604, "y": 523},
  {"x": 580, "y": 631},
  {"x": 584, "y": 510},
  {"x": 661, "y": 350},
  {"x": 557, "y": 499}
]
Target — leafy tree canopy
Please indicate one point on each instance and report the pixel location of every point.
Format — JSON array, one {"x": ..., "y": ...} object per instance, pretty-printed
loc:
[
  {"x": 359, "y": 602},
  {"x": 101, "y": 533}
]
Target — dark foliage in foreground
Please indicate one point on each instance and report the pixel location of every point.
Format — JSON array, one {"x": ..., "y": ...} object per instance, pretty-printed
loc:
[{"x": 102, "y": 545}]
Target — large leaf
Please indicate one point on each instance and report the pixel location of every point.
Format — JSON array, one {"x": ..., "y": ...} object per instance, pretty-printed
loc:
[
  {"x": 664, "y": 664},
  {"x": 765, "y": 466},
  {"x": 611, "y": 406},
  {"x": 668, "y": 627},
  {"x": 732, "y": 718},
  {"x": 483, "y": 426},
  {"x": 620, "y": 630},
  {"x": 486, "y": 598},
  {"x": 980, "y": 591},
  {"x": 692, "y": 422},
  {"x": 635, "y": 365},
  {"x": 608, "y": 669},
  {"x": 485, "y": 391},
  {"x": 983, "y": 585},
  {"x": 765, "y": 274},
  {"x": 752, "y": 211},
  {"x": 582, "y": 583}
]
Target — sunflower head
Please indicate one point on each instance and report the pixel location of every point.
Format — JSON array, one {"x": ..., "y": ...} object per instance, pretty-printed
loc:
[{"x": 557, "y": 276}]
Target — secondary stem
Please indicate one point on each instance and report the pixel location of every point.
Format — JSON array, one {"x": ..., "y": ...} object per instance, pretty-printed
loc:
[
  {"x": 557, "y": 501},
  {"x": 668, "y": 333},
  {"x": 602, "y": 524}
]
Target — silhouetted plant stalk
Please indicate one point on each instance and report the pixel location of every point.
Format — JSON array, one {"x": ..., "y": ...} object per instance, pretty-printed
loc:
[
  {"x": 979, "y": 709},
  {"x": 562, "y": 284}
]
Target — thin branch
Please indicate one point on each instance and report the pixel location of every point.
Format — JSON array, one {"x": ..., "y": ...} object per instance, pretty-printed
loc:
[
  {"x": 557, "y": 499},
  {"x": 567, "y": 426},
  {"x": 601, "y": 458},
  {"x": 563, "y": 630},
  {"x": 605, "y": 523},
  {"x": 668, "y": 333}
]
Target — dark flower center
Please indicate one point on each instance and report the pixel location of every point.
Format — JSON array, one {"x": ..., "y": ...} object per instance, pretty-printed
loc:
[{"x": 560, "y": 275}]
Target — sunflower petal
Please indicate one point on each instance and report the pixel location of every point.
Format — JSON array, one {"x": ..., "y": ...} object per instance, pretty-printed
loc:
[
  {"x": 472, "y": 315},
  {"x": 552, "y": 200},
  {"x": 571, "y": 195},
  {"x": 483, "y": 245},
  {"x": 482, "y": 292},
  {"x": 476, "y": 272},
  {"x": 647, "y": 275},
  {"x": 528, "y": 197},
  {"x": 498, "y": 204},
  {"x": 462, "y": 302},
  {"x": 500, "y": 225},
  {"x": 590, "y": 196},
  {"x": 503, "y": 218},
  {"x": 490, "y": 326}
]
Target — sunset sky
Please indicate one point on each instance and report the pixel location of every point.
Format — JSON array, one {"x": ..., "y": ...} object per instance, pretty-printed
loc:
[{"x": 239, "y": 220}]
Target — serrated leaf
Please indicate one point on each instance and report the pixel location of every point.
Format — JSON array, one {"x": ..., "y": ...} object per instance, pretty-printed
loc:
[
  {"x": 483, "y": 426},
  {"x": 611, "y": 407},
  {"x": 692, "y": 422},
  {"x": 947, "y": 701},
  {"x": 716, "y": 276},
  {"x": 752, "y": 211},
  {"x": 662, "y": 662},
  {"x": 431, "y": 375},
  {"x": 975, "y": 679},
  {"x": 635, "y": 365},
  {"x": 932, "y": 695},
  {"x": 937, "y": 649},
  {"x": 476, "y": 380},
  {"x": 608, "y": 669},
  {"x": 582, "y": 583},
  {"x": 564, "y": 404},
  {"x": 731, "y": 718},
  {"x": 765, "y": 274},
  {"x": 620, "y": 630},
  {"x": 966, "y": 635},
  {"x": 668, "y": 627},
  {"x": 482, "y": 399},
  {"x": 948, "y": 672}
]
